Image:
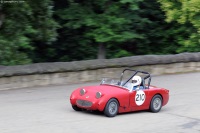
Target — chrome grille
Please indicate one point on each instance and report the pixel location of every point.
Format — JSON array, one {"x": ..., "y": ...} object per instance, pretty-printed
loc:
[{"x": 83, "y": 103}]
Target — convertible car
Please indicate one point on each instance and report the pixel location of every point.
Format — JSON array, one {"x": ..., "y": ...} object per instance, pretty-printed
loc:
[{"x": 127, "y": 94}]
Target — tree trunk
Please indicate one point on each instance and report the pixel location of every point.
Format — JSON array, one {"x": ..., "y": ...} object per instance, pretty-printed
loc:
[{"x": 101, "y": 51}]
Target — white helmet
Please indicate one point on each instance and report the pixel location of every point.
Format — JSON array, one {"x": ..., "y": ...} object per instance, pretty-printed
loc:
[{"x": 136, "y": 80}]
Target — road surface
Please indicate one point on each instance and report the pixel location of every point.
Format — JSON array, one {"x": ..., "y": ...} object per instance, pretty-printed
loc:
[{"x": 47, "y": 110}]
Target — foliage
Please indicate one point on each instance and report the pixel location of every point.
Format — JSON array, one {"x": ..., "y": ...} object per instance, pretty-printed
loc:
[
  {"x": 12, "y": 39},
  {"x": 185, "y": 11},
  {"x": 23, "y": 24},
  {"x": 103, "y": 21},
  {"x": 156, "y": 36},
  {"x": 68, "y": 30}
]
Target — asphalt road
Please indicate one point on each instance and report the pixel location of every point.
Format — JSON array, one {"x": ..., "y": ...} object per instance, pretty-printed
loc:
[{"x": 47, "y": 110}]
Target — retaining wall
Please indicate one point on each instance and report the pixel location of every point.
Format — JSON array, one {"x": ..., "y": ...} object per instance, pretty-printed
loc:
[{"x": 40, "y": 74}]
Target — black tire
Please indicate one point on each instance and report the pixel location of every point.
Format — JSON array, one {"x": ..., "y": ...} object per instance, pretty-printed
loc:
[
  {"x": 156, "y": 104},
  {"x": 76, "y": 108},
  {"x": 111, "y": 108}
]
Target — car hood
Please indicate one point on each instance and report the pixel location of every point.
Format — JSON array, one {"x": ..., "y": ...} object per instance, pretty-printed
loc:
[
  {"x": 107, "y": 92},
  {"x": 105, "y": 89}
]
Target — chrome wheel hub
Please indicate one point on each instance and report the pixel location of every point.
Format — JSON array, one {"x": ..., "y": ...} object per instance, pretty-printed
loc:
[
  {"x": 157, "y": 103},
  {"x": 112, "y": 107}
]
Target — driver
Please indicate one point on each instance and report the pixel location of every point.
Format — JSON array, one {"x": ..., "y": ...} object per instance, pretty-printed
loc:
[{"x": 136, "y": 82}]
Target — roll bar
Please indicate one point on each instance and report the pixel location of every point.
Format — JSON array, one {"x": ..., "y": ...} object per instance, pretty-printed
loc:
[{"x": 148, "y": 76}]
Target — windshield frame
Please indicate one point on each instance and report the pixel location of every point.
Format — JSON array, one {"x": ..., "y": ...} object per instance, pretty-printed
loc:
[
  {"x": 125, "y": 83},
  {"x": 115, "y": 82}
]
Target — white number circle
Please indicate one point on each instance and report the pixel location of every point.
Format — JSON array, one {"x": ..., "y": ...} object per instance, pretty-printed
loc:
[{"x": 140, "y": 97}]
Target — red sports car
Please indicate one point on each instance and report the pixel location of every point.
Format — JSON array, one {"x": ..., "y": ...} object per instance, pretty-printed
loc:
[{"x": 129, "y": 94}]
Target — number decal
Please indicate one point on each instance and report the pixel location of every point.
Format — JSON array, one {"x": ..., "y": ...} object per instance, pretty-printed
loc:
[
  {"x": 140, "y": 97},
  {"x": 137, "y": 97}
]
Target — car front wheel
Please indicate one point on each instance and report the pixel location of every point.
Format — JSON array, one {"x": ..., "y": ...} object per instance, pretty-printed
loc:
[
  {"x": 111, "y": 108},
  {"x": 156, "y": 104}
]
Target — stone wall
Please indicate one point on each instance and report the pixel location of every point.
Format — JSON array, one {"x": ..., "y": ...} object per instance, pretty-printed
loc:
[{"x": 93, "y": 70}]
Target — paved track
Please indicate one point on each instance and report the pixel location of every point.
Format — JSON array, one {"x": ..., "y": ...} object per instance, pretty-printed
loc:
[{"x": 47, "y": 110}]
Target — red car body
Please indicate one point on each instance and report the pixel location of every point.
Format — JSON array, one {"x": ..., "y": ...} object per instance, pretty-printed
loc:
[{"x": 97, "y": 97}]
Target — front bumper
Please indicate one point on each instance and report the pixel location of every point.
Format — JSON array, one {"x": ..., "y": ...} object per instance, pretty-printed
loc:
[
  {"x": 84, "y": 103},
  {"x": 88, "y": 104}
]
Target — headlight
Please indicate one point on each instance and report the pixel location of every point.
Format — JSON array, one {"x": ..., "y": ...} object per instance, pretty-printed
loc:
[
  {"x": 82, "y": 92},
  {"x": 98, "y": 95}
]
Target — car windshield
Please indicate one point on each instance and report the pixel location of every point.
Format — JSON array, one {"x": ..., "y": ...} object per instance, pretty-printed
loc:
[
  {"x": 128, "y": 81},
  {"x": 116, "y": 82}
]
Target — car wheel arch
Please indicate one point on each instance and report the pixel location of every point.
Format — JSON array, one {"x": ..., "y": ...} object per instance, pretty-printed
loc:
[
  {"x": 109, "y": 99},
  {"x": 113, "y": 98},
  {"x": 157, "y": 94}
]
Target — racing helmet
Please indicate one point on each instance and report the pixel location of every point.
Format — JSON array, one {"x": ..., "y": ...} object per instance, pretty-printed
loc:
[{"x": 136, "y": 80}]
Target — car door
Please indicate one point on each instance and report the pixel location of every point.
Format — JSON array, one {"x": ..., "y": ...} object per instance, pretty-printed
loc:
[{"x": 139, "y": 99}]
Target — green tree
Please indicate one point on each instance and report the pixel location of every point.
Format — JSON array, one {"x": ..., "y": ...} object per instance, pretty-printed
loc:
[
  {"x": 22, "y": 27},
  {"x": 45, "y": 27},
  {"x": 184, "y": 12},
  {"x": 84, "y": 26},
  {"x": 15, "y": 24},
  {"x": 68, "y": 30},
  {"x": 104, "y": 22},
  {"x": 156, "y": 35}
]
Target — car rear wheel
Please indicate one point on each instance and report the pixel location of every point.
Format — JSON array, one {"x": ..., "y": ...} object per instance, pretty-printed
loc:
[
  {"x": 156, "y": 104},
  {"x": 111, "y": 108},
  {"x": 76, "y": 108}
]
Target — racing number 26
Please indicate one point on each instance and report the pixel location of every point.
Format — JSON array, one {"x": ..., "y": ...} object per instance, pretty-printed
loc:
[{"x": 140, "y": 97}]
